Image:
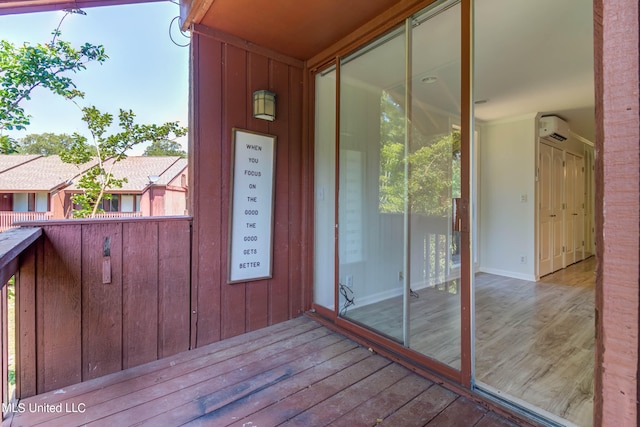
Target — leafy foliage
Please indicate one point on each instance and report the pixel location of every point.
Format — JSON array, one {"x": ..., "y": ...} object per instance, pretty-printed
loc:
[
  {"x": 45, "y": 144},
  {"x": 24, "y": 68},
  {"x": 165, "y": 148},
  {"x": 107, "y": 150},
  {"x": 8, "y": 145},
  {"x": 434, "y": 166}
]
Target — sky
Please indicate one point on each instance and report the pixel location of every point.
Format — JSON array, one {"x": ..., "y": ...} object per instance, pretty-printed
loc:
[{"x": 145, "y": 72}]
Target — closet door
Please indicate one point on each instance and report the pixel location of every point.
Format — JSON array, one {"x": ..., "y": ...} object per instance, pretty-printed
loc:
[
  {"x": 570, "y": 210},
  {"x": 551, "y": 180},
  {"x": 545, "y": 194},
  {"x": 558, "y": 191}
]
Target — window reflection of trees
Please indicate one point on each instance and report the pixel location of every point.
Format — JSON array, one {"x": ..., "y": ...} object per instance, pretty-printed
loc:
[{"x": 434, "y": 183}]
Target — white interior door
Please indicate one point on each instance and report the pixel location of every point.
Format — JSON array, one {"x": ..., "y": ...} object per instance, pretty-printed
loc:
[
  {"x": 570, "y": 210},
  {"x": 578, "y": 213},
  {"x": 557, "y": 186},
  {"x": 545, "y": 194}
]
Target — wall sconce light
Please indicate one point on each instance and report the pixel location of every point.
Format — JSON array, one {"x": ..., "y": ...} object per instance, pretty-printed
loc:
[{"x": 264, "y": 105}]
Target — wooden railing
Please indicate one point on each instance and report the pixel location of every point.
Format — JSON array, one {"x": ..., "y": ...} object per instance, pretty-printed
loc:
[
  {"x": 95, "y": 296},
  {"x": 118, "y": 215},
  {"x": 14, "y": 244},
  {"x": 8, "y": 218}
]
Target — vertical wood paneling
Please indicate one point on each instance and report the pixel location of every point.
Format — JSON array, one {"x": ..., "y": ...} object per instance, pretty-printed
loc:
[
  {"x": 140, "y": 293},
  {"x": 206, "y": 192},
  {"x": 174, "y": 247},
  {"x": 617, "y": 41},
  {"x": 231, "y": 73},
  {"x": 26, "y": 322},
  {"x": 101, "y": 302},
  {"x": 60, "y": 287},
  {"x": 279, "y": 302},
  {"x": 235, "y": 115},
  {"x": 257, "y": 292},
  {"x": 73, "y": 327}
]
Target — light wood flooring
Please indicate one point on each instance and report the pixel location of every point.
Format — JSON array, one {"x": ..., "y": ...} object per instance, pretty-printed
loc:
[
  {"x": 534, "y": 341},
  {"x": 296, "y": 373}
]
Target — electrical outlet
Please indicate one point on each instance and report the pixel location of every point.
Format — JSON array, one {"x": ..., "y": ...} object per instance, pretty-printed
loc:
[
  {"x": 400, "y": 276},
  {"x": 523, "y": 259},
  {"x": 348, "y": 281}
]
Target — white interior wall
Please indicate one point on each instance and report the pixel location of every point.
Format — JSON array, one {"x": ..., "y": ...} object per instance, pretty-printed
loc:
[{"x": 507, "y": 153}]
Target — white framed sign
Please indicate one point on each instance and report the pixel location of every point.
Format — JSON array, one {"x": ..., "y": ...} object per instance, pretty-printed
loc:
[{"x": 251, "y": 212}]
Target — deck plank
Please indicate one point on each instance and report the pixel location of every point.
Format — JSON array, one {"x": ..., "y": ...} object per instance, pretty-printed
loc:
[
  {"x": 422, "y": 409},
  {"x": 326, "y": 412},
  {"x": 265, "y": 398},
  {"x": 295, "y": 373},
  {"x": 461, "y": 412},
  {"x": 308, "y": 397},
  {"x": 385, "y": 403},
  {"x": 144, "y": 397}
]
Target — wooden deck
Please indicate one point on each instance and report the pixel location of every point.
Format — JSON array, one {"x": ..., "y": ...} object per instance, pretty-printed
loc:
[{"x": 294, "y": 373}]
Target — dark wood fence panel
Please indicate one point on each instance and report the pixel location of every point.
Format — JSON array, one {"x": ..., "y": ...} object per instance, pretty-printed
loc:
[
  {"x": 99, "y": 296},
  {"x": 59, "y": 314},
  {"x": 140, "y": 292},
  {"x": 174, "y": 309},
  {"x": 25, "y": 298},
  {"x": 226, "y": 72},
  {"x": 101, "y": 302}
]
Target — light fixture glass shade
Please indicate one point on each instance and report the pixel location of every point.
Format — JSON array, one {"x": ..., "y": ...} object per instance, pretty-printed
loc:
[{"x": 264, "y": 105}]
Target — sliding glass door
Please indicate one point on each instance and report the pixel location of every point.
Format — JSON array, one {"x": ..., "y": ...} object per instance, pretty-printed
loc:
[{"x": 399, "y": 174}]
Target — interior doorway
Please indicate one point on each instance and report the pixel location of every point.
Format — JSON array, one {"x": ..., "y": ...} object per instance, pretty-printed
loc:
[{"x": 534, "y": 291}]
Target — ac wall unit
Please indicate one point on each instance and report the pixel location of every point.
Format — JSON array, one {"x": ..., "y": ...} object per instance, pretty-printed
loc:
[{"x": 554, "y": 129}]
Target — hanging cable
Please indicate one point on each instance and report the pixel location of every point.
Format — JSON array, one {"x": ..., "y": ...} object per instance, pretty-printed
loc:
[
  {"x": 347, "y": 293},
  {"x": 183, "y": 33}
]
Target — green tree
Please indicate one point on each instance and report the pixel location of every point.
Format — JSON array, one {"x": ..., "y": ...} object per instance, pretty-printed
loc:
[
  {"x": 45, "y": 144},
  {"x": 8, "y": 145},
  {"x": 108, "y": 149},
  {"x": 24, "y": 68},
  {"x": 164, "y": 148},
  {"x": 434, "y": 165}
]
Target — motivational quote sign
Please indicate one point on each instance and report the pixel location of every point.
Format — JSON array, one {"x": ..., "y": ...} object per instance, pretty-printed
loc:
[{"x": 252, "y": 190}]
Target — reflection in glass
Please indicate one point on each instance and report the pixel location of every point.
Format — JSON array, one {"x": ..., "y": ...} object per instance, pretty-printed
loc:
[{"x": 399, "y": 182}]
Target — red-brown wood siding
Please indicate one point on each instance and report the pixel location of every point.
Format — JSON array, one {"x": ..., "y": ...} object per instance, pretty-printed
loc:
[
  {"x": 618, "y": 211},
  {"x": 73, "y": 326},
  {"x": 225, "y": 74},
  {"x": 6, "y": 202}
]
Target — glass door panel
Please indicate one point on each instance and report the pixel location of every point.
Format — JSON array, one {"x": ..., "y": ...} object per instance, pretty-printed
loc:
[
  {"x": 399, "y": 181},
  {"x": 371, "y": 204},
  {"x": 434, "y": 184},
  {"x": 325, "y": 187}
]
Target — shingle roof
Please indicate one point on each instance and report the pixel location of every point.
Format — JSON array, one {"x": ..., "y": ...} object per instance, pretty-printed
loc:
[
  {"x": 13, "y": 160},
  {"x": 137, "y": 170},
  {"x": 42, "y": 174},
  {"x": 36, "y": 173}
]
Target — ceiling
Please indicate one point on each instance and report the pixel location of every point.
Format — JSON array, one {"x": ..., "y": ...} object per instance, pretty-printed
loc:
[{"x": 295, "y": 28}]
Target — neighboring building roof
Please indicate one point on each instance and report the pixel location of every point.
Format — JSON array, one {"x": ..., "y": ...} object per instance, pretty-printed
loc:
[
  {"x": 40, "y": 174},
  {"x": 137, "y": 170},
  {"x": 11, "y": 161},
  {"x": 35, "y": 173}
]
